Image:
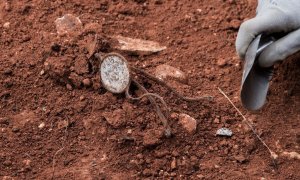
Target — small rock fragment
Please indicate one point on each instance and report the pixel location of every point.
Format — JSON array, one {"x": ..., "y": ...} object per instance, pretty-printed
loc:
[
  {"x": 6, "y": 25},
  {"x": 81, "y": 98},
  {"x": 224, "y": 132},
  {"x": 27, "y": 162},
  {"x": 165, "y": 71},
  {"x": 138, "y": 45},
  {"x": 292, "y": 155},
  {"x": 87, "y": 82},
  {"x": 188, "y": 123},
  {"x": 173, "y": 164},
  {"x": 235, "y": 24},
  {"x": 42, "y": 125},
  {"x": 221, "y": 62},
  {"x": 67, "y": 24},
  {"x": 42, "y": 72},
  {"x": 216, "y": 120}
]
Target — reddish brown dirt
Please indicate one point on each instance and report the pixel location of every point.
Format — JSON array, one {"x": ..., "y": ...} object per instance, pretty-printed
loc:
[{"x": 77, "y": 142}]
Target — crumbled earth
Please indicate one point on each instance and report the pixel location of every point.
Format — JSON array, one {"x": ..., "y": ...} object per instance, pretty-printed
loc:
[{"x": 58, "y": 122}]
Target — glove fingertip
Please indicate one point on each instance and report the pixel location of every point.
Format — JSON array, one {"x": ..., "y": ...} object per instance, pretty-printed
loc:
[{"x": 267, "y": 58}]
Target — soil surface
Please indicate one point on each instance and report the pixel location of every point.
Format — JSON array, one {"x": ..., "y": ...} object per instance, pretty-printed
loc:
[{"x": 58, "y": 122}]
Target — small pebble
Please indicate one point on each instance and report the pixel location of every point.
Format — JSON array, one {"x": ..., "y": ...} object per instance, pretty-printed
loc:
[
  {"x": 81, "y": 98},
  {"x": 188, "y": 123},
  {"x": 42, "y": 72},
  {"x": 164, "y": 72},
  {"x": 86, "y": 82},
  {"x": 217, "y": 121},
  {"x": 6, "y": 25},
  {"x": 173, "y": 164},
  {"x": 221, "y": 63},
  {"x": 235, "y": 24},
  {"x": 42, "y": 125},
  {"x": 27, "y": 162},
  {"x": 224, "y": 132}
]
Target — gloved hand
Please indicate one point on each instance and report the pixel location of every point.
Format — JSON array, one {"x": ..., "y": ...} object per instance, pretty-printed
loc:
[{"x": 272, "y": 16}]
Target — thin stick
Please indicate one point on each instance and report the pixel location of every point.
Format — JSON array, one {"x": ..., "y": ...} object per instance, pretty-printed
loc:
[
  {"x": 153, "y": 102},
  {"x": 53, "y": 162},
  {"x": 273, "y": 154},
  {"x": 162, "y": 83}
]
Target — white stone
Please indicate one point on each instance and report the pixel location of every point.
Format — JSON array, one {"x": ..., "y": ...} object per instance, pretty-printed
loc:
[
  {"x": 138, "y": 45},
  {"x": 42, "y": 125},
  {"x": 165, "y": 71},
  {"x": 224, "y": 132}
]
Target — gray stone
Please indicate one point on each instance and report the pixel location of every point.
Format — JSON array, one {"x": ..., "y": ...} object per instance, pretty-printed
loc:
[{"x": 224, "y": 132}]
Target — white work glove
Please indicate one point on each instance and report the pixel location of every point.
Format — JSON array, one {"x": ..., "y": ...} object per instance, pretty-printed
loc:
[{"x": 272, "y": 16}]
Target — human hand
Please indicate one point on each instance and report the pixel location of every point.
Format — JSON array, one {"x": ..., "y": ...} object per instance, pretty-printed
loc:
[{"x": 273, "y": 16}]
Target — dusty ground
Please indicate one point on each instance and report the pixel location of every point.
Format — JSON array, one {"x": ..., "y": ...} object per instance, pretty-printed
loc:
[{"x": 53, "y": 126}]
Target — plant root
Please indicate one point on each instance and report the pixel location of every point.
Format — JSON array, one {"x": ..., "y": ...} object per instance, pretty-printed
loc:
[
  {"x": 158, "y": 110},
  {"x": 53, "y": 161},
  {"x": 162, "y": 83},
  {"x": 273, "y": 155}
]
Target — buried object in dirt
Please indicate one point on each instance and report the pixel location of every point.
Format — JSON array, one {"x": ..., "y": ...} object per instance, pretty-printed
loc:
[
  {"x": 116, "y": 78},
  {"x": 114, "y": 71}
]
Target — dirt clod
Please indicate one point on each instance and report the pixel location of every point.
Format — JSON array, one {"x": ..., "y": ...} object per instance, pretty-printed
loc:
[
  {"x": 7, "y": 163},
  {"x": 152, "y": 137},
  {"x": 116, "y": 118},
  {"x": 87, "y": 82}
]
